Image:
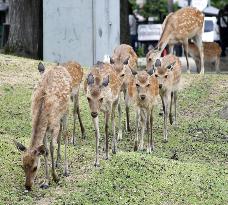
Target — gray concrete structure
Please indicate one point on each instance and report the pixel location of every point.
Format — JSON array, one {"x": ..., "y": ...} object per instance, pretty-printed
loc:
[{"x": 81, "y": 30}]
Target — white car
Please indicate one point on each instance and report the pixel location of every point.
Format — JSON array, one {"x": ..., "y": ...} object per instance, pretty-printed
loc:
[{"x": 211, "y": 30}]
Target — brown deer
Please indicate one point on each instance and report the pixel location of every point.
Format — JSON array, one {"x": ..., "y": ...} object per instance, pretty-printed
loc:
[
  {"x": 76, "y": 72},
  {"x": 102, "y": 87},
  {"x": 50, "y": 102},
  {"x": 144, "y": 92},
  {"x": 168, "y": 74},
  {"x": 212, "y": 52},
  {"x": 123, "y": 59},
  {"x": 186, "y": 23}
]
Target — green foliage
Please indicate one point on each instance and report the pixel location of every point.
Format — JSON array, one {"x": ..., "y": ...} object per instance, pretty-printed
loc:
[
  {"x": 140, "y": 52},
  {"x": 218, "y": 3}
]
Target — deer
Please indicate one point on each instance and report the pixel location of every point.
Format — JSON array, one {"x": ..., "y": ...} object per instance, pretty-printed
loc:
[
  {"x": 212, "y": 52},
  {"x": 50, "y": 102},
  {"x": 123, "y": 60},
  {"x": 178, "y": 27},
  {"x": 143, "y": 90},
  {"x": 76, "y": 72},
  {"x": 102, "y": 88},
  {"x": 168, "y": 74}
]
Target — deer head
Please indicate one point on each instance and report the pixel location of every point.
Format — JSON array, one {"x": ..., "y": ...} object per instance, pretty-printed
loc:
[
  {"x": 151, "y": 57},
  {"x": 119, "y": 66},
  {"x": 142, "y": 83},
  {"x": 30, "y": 162},
  {"x": 95, "y": 92},
  {"x": 163, "y": 73}
]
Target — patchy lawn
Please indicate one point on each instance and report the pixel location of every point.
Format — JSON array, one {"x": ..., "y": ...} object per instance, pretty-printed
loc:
[{"x": 199, "y": 175}]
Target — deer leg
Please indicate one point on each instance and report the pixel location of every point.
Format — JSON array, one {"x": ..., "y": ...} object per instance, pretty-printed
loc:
[
  {"x": 150, "y": 134},
  {"x": 120, "y": 132},
  {"x": 144, "y": 121},
  {"x": 137, "y": 131},
  {"x": 45, "y": 184},
  {"x": 80, "y": 119},
  {"x": 114, "y": 141},
  {"x": 97, "y": 134},
  {"x": 199, "y": 44},
  {"x": 171, "y": 46},
  {"x": 59, "y": 146},
  {"x": 127, "y": 111},
  {"x": 55, "y": 133},
  {"x": 175, "y": 107},
  {"x": 74, "y": 116},
  {"x": 166, "y": 100},
  {"x": 217, "y": 64},
  {"x": 170, "y": 111},
  {"x": 185, "y": 44},
  {"x": 107, "y": 116},
  {"x": 64, "y": 122}
]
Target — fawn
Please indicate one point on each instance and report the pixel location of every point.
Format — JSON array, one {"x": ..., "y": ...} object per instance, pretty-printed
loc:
[
  {"x": 212, "y": 52},
  {"x": 144, "y": 91},
  {"x": 123, "y": 59},
  {"x": 102, "y": 87},
  {"x": 168, "y": 74},
  {"x": 76, "y": 72},
  {"x": 50, "y": 102},
  {"x": 184, "y": 24}
]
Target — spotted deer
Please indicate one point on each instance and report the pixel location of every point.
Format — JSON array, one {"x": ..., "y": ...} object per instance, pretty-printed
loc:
[
  {"x": 102, "y": 87},
  {"x": 144, "y": 92},
  {"x": 212, "y": 52},
  {"x": 123, "y": 59},
  {"x": 50, "y": 102},
  {"x": 179, "y": 27},
  {"x": 168, "y": 74},
  {"x": 76, "y": 72}
]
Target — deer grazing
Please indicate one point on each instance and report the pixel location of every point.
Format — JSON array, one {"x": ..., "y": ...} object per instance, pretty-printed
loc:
[
  {"x": 76, "y": 72},
  {"x": 168, "y": 74},
  {"x": 179, "y": 27},
  {"x": 123, "y": 59},
  {"x": 102, "y": 87},
  {"x": 144, "y": 92},
  {"x": 50, "y": 102},
  {"x": 212, "y": 52}
]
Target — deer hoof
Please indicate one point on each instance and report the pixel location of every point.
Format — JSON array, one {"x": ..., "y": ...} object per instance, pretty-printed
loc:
[
  {"x": 66, "y": 173},
  {"x": 165, "y": 140},
  {"x": 44, "y": 186},
  {"x": 96, "y": 164}
]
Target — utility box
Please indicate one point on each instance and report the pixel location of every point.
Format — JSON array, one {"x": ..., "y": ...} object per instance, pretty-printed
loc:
[{"x": 82, "y": 30}]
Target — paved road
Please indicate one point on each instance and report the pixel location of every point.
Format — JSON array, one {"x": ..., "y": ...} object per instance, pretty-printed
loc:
[{"x": 208, "y": 67}]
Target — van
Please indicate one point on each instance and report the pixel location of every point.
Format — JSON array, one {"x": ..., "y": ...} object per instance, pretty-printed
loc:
[{"x": 211, "y": 29}]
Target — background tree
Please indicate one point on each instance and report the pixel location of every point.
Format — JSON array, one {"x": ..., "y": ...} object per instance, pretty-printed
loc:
[
  {"x": 124, "y": 22},
  {"x": 25, "y": 35}
]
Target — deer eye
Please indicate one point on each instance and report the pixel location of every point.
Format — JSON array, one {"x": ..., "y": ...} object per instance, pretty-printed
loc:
[
  {"x": 34, "y": 169},
  {"x": 88, "y": 99},
  {"x": 137, "y": 85},
  {"x": 147, "y": 85},
  {"x": 166, "y": 76},
  {"x": 156, "y": 75},
  {"x": 101, "y": 99},
  {"x": 150, "y": 59},
  {"x": 122, "y": 75}
]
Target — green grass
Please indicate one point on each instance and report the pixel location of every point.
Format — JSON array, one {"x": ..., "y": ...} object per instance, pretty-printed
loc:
[{"x": 200, "y": 141}]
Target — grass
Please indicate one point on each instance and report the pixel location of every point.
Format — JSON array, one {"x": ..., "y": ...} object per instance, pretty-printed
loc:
[{"x": 200, "y": 144}]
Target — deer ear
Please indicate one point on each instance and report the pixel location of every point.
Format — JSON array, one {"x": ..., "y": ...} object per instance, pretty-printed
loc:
[
  {"x": 105, "y": 81},
  {"x": 151, "y": 71},
  {"x": 20, "y": 146},
  {"x": 157, "y": 63},
  {"x": 171, "y": 66},
  {"x": 41, "y": 68},
  {"x": 126, "y": 61},
  {"x": 111, "y": 60},
  {"x": 90, "y": 79},
  {"x": 41, "y": 150}
]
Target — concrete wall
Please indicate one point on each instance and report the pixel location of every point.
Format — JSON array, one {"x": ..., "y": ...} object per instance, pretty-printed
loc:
[{"x": 81, "y": 30}]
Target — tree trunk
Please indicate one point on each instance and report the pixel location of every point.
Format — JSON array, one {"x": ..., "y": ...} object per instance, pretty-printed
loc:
[
  {"x": 25, "y": 36},
  {"x": 124, "y": 22}
]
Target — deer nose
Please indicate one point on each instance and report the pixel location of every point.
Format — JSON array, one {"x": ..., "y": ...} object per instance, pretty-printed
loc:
[
  {"x": 94, "y": 114},
  {"x": 142, "y": 97},
  {"x": 160, "y": 86}
]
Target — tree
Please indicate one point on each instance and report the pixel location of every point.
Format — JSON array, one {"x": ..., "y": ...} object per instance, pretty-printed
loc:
[
  {"x": 25, "y": 35},
  {"x": 124, "y": 22}
]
